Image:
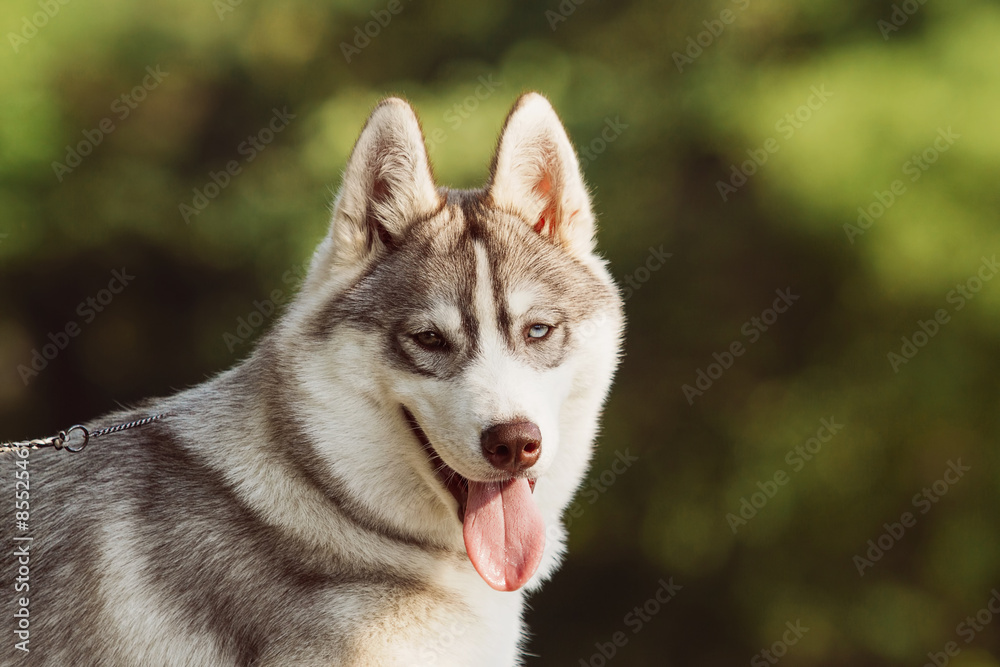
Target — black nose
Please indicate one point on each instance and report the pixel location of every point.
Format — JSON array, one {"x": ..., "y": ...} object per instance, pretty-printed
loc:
[{"x": 512, "y": 447}]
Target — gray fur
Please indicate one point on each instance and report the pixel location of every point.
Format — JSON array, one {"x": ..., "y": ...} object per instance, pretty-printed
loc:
[{"x": 236, "y": 531}]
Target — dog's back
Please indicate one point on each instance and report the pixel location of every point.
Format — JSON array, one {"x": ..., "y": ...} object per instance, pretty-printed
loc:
[{"x": 144, "y": 553}]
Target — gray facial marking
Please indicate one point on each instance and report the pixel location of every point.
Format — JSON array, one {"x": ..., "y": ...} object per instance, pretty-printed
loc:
[
  {"x": 569, "y": 292},
  {"x": 285, "y": 430},
  {"x": 435, "y": 263},
  {"x": 432, "y": 266}
]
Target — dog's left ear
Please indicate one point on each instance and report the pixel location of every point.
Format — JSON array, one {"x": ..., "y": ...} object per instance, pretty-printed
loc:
[
  {"x": 387, "y": 186},
  {"x": 535, "y": 173}
]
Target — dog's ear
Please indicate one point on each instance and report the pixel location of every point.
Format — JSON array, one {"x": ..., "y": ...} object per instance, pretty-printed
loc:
[
  {"x": 387, "y": 186},
  {"x": 535, "y": 173}
]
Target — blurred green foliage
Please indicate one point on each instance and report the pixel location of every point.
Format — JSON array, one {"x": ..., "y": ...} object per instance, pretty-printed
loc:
[{"x": 695, "y": 90}]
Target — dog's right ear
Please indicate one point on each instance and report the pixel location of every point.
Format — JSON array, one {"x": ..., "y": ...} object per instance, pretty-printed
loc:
[
  {"x": 535, "y": 172},
  {"x": 387, "y": 185}
]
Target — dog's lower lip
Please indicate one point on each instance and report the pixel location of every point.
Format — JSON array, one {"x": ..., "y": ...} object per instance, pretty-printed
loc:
[{"x": 456, "y": 484}]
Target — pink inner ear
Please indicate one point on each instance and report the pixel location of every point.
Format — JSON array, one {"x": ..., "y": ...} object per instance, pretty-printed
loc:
[{"x": 544, "y": 187}]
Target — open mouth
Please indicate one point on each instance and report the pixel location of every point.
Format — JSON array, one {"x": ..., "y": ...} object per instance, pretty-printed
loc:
[
  {"x": 502, "y": 526},
  {"x": 456, "y": 484}
]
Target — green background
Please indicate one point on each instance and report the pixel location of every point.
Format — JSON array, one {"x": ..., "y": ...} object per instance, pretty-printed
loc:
[{"x": 682, "y": 127}]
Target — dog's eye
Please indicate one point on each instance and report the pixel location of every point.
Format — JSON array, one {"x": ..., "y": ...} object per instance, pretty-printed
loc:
[
  {"x": 430, "y": 340},
  {"x": 538, "y": 331}
]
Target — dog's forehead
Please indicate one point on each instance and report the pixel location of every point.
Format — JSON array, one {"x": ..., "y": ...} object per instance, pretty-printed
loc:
[
  {"x": 525, "y": 269},
  {"x": 436, "y": 261},
  {"x": 468, "y": 245},
  {"x": 439, "y": 233}
]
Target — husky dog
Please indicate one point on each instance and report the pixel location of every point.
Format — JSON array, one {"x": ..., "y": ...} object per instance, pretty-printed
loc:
[{"x": 382, "y": 481}]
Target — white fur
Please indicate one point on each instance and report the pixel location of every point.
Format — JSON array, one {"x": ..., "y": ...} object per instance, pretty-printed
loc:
[
  {"x": 139, "y": 617},
  {"x": 355, "y": 398},
  {"x": 352, "y": 397},
  {"x": 537, "y": 174},
  {"x": 390, "y": 153}
]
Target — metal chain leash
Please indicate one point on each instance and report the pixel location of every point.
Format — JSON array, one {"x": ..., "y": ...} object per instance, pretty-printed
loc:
[{"x": 75, "y": 438}]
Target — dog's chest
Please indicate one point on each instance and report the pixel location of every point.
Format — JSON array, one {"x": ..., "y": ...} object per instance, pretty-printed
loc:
[{"x": 468, "y": 625}]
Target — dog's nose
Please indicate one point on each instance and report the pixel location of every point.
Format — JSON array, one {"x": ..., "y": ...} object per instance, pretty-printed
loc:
[{"x": 513, "y": 446}]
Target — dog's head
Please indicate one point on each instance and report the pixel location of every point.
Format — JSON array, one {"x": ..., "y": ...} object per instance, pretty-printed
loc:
[{"x": 488, "y": 328}]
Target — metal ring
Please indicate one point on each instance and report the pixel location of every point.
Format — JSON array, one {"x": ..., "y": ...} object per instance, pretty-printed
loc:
[{"x": 69, "y": 437}]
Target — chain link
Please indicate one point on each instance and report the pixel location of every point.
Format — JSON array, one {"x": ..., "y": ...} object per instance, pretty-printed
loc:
[{"x": 75, "y": 438}]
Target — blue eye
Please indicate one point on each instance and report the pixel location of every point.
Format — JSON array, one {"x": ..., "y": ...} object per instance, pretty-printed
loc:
[{"x": 538, "y": 331}]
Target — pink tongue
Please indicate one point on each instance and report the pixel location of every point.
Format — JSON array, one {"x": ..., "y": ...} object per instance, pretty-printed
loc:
[{"x": 504, "y": 532}]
